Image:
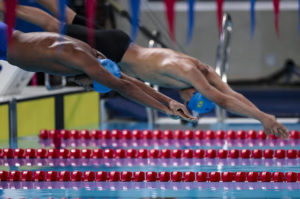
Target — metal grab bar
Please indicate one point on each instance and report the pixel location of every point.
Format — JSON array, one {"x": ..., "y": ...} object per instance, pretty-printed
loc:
[
  {"x": 152, "y": 114},
  {"x": 13, "y": 136},
  {"x": 223, "y": 52},
  {"x": 50, "y": 87}
]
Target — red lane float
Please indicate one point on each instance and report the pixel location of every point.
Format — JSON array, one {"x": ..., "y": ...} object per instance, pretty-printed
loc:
[
  {"x": 240, "y": 176},
  {"x": 158, "y": 134},
  {"x": 26, "y": 176},
  {"x": 220, "y": 134},
  {"x": 126, "y": 176},
  {"x": 234, "y": 153},
  {"x": 75, "y": 153},
  {"x": 139, "y": 176},
  {"x": 52, "y": 153},
  {"x": 76, "y": 176},
  {"x": 119, "y": 153},
  {"x": 176, "y": 176},
  {"x": 4, "y": 176},
  {"x": 222, "y": 154},
  {"x": 142, "y": 153},
  {"x": 227, "y": 176},
  {"x": 51, "y": 176},
  {"x": 265, "y": 176},
  {"x": 257, "y": 154},
  {"x": 214, "y": 176},
  {"x": 164, "y": 176},
  {"x": 154, "y": 153},
  {"x": 89, "y": 176},
  {"x": 101, "y": 176},
  {"x": 64, "y": 176},
  {"x": 199, "y": 153},
  {"x": 188, "y": 153},
  {"x": 40, "y": 176},
  {"x": 252, "y": 176},
  {"x": 189, "y": 176},
  {"x": 150, "y": 176},
  {"x": 201, "y": 176},
  {"x": 14, "y": 176}
]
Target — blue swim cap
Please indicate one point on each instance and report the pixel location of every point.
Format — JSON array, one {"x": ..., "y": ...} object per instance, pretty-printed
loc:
[
  {"x": 3, "y": 41},
  {"x": 113, "y": 68},
  {"x": 200, "y": 104}
]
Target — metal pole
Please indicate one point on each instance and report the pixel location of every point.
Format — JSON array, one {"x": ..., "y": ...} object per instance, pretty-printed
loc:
[
  {"x": 13, "y": 137},
  {"x": 50, "y": 87},
  {"x": 223, "y": 52},
  {"x": 152, "y": 114},
  {"x": 103, "y": 114}
]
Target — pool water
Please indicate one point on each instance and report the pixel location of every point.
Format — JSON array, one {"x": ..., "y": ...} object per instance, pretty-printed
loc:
[{"x": 158, "y": 189}]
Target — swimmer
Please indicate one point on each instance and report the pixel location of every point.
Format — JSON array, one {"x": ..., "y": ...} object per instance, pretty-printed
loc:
[
  {"x": 163, "y": 67},
  {"x": 45, "y": 52}
]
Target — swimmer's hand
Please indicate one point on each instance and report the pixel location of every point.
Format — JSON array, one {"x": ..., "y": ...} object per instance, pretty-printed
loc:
[
  {"x": 271, "y": 126},
  {"x": 178, "y": 110}
]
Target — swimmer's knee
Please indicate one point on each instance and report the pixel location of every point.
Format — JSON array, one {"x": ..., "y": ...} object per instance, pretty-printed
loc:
[
  {"x": 206, "y": 69},
  {"x": 203, "y": 68}
]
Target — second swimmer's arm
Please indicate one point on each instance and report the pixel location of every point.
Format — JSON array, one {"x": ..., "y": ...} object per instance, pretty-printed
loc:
[
  {"x": 52, "y": 6},
  {"x": 35, "y": 16}
]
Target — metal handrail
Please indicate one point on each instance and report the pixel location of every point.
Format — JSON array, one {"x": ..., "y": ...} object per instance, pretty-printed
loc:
[
  {"x": 13, "y": 136},
  {"x": 152, "y": 114},
  {"x": 223, "y": 51},
  {"x": 50, "y": 87}
]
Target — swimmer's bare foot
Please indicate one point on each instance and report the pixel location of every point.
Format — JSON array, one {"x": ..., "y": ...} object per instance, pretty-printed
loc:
[
  {"x": 271, "y": 126},
  {"x": 179, "y": 111}
]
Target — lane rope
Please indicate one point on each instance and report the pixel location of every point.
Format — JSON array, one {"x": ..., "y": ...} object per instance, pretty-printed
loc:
[
  {"x": 150, "y": 176},
  {"x": 42, "y": 153},
  {"x": 159, "y": 134}
]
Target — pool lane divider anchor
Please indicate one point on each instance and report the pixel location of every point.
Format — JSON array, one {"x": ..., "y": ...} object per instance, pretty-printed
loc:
[
  {"x": 158, "y": 134},
  {"x": 13, "y": 128},
  {"x": 42, "y": 153},
  {"x": 150, "y": 176}
]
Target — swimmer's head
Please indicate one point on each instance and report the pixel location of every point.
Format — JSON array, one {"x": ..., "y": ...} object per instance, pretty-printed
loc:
[{"x": 3, "y": 41}]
